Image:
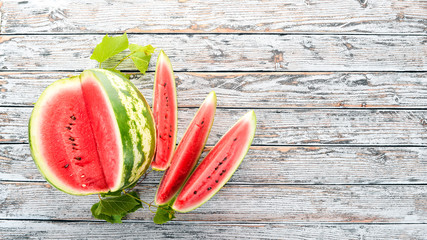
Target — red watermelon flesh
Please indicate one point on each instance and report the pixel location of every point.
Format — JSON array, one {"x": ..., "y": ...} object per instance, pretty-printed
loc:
[
  {"x": 165, "y": 112},
  {"x": 218, "y": 166},
  {"x": 188, "y": 151},
  {"x": 79, "y": 137}
]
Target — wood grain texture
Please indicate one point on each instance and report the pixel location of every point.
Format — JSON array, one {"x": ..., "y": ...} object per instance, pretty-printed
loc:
[
  {"x": 282, "y": 126},
  {"x": 281, "y": 165},
  {"x": 255, "y": 90},
  {"x": 232, "y": 52},
  {"x": 382, "y": 16},
  {"x": 262, "y": 203},
  {"x": 12, "y": 230}
]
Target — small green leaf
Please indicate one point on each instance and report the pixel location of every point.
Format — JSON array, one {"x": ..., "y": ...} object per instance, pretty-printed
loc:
[
  {"x": 118, "y": 72},
  {"x": 109, "y": 47},
  {"x": 141, "y": 56},
  {"x": 148, "y": 50},
  {"x": 108, "y": 218},
  {"x": 141, "y": 61},
  {"x": 113, "y": 209},
  {"x": 164, "y": 214},
  {"x": 111, "y": 194}
]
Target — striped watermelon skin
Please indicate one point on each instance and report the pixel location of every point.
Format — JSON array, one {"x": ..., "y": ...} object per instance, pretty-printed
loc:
[
  {"x": 132, "y": 122},
  {"x": 135, "y": 121}
]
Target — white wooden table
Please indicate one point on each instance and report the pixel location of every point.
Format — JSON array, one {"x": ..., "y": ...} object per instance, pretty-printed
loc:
[{"x": 339, "y": 89}]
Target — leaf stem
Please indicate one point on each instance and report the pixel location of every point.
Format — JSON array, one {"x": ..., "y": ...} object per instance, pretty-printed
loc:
[
  {"x": 123, "y": 60},
  {"x": 100, "y": 65},
  {"x": 142, "y": 201}
]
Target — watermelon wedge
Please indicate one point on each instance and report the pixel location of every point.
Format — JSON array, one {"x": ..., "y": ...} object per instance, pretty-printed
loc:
[
  {"x": 218, "y": 166},
  {"x": 188, "y": 151},
  {"x": 165, "y": 111},
  {"x": 92, "y": 133}
]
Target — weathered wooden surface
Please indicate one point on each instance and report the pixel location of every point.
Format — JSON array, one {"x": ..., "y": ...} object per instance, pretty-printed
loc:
[
  {"x": 233, "y": 52},
  {"x": 16, "y": 229},
  {"x": 260, "y": 90},
  {"x": 282, "y": 126},
  {"x": 281, "y": 165},
  {"x": 318, "y": 16},
  {"x": 253, "y": 203},
  {"x": 323, "y": 165}
]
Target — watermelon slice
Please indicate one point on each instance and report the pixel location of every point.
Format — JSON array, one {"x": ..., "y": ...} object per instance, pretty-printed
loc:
[
  {"x": 188, "y": 151},
  {"x": 218, "y": 166},
  {"x": 165, "y": 112},
  {"x": 92, "y": 133}
]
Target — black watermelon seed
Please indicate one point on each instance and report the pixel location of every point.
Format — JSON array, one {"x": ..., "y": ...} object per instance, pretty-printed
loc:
[
  {"x": 71, "y": 124},
  {"x": 170, "y": 136},
  {"x": 220, "y": 163},
  {"x": 223, "y": 170},
  {"x": 209, "y": 177},
  {"x": 221, "y": 174},
  {"x": 75, "y": 148},
  {"x": 195, "y": 192},
  {"x": 66, "y": 165},
  {"x": 78, "y": 158},
  {"x": 73, "y": 117},
  {"x": 216, "y": 181},
  {"x": 216, "y": 168},
  {"x": 209, "y": 188},
  {"x": 203, "y": 122},
  {"x": 224, "y": 159},
  {"x": 73, "y": 144},
  {"x": 69, "y": 128},
  {"x": 235, "y": 139},
  {"x": 160, "y": 136},
  {"x": 164, "y": 85},
  {"x": 71, "y": 138}
]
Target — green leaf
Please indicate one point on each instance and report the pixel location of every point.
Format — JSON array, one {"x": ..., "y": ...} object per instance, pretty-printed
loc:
[
  {"x": 108, "y": 218},
  {"x": 113, "y": 209},
  {"x": 109, "y": 47},
  {"x": 148, "y": 50},
  {"x": 163, "y": 214},
  {"x": 141, "y": 61},
  {"x": 141, "y": 56},
  {"x": 118, "y": 72},
  {"x": 111, "y": 194}
]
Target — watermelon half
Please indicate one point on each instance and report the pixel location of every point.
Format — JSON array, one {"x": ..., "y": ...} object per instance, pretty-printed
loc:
[
  {"x": 218, "y": 166},
  {"x": 188, "y": 151},
  {"x": 165, "y": 111},
  {"x": 92, "y": 133}
]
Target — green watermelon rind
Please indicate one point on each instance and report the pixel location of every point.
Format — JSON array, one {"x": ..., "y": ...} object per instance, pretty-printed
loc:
[
  {"x": 163, "y": 57},
  {"x": 122, "y": 111},
  {"x": 253, "y": 121},
  {"x": 214, "y": 101},
  {"x": 129, "y": 174}
]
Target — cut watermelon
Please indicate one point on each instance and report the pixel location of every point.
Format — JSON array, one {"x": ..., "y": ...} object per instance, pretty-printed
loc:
[
  {"x": 165, "y": 112},
  {"x": 188, "y": 151},
  {"x": 218, "y": 166},
  {"x": 92, "y": 133}
]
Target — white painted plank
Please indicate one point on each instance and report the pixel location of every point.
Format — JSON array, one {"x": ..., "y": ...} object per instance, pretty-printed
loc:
[
  {"x": 181, "y": 230},
  {"x": 227, "y": 52},
  {"x": 271, "y": 90},
  {"x": 217, "y": 16},
  {"x": 282, "y": 126},
  {"x": 243, "y": 203},
  {"x": 281, "y": 165}
]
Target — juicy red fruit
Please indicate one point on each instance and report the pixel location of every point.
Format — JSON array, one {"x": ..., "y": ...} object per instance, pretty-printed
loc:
[
  {"x": 188, "y": 151},
  {"x": 75, "y": 134},
  {"x": 165, "y": 112}
]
